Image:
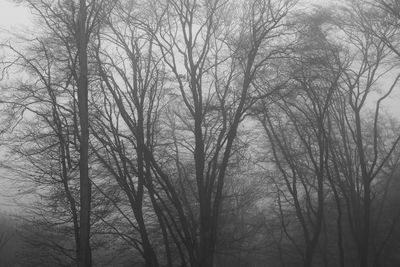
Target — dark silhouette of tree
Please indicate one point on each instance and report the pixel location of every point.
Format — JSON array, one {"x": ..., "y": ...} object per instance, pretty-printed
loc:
[
  {"x": 57, "y": 99},
  {"x": 366, "y": 72},
  {"x": 205, "y": 133},
  {"x": 297, "y": 131},
  {"x": 215, "y": 85}
]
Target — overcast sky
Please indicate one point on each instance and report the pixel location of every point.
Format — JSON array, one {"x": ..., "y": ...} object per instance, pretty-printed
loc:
[
  {"x": 15, "y": 18},
  {"x": 13, "y": 15}
]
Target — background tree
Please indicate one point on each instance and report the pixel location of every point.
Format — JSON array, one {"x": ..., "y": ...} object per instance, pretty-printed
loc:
[
  {"x": 369, "y": 67},
  {"x": 127, "y": 124},
  {"x": 298, "y": 136}
]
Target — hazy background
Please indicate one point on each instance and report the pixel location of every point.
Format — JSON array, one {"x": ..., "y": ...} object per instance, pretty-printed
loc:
[{"x": 16, "y": 20}]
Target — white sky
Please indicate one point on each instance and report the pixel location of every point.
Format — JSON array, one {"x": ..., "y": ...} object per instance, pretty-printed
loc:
[{"x": 15, "y": 18}]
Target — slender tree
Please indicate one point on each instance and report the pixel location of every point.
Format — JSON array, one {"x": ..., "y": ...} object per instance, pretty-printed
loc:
[
  {"x": 82, "y": 39},
  {"x": 69, "y": 26}
]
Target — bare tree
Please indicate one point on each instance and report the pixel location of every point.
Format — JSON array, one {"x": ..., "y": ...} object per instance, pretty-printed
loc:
[
  {"x": 216, "y": 90},
  {"x": 82, "y": 38},
  {"x": 213, "y": 73},
  {"x": 297, "y": 131},
  {"x": 135, "y": 123},
  {"x": 370, "y": 65},
  {"x": 63, "y": 46},
  {"x": 127, "y": 122}
]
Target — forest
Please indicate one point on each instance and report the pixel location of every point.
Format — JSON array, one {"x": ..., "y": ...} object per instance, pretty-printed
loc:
[{"x": 202, "y": 133}]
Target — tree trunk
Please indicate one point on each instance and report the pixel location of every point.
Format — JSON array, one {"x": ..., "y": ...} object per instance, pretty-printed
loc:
[
  {"x": 364, "y": 245},
  {"x": 206, "y": 249},
  {"x": 85, "y": 258},
  {"x": 365, "y": 216}
]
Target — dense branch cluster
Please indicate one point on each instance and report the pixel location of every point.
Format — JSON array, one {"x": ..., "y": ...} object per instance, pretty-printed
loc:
[{"x": 204, "y": 133}]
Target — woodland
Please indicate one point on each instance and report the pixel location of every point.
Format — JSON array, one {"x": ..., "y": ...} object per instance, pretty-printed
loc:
[{"x": 203, "y": 133}]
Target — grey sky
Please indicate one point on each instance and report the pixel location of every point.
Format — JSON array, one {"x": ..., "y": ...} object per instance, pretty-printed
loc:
[{"x": 15, "y": 18}]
